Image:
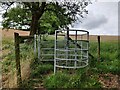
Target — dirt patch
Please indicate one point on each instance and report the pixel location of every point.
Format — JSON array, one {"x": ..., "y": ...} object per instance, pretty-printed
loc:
[
  {"x": 9, "y": 80},
  {"x": 25, "y": 69},
  {"x": 109, "y": 80}
]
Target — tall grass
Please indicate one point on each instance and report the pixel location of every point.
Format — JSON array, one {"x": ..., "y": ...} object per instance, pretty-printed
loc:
[
  {"x": 42, "y": 72},
  {"x": 109, "y": 58}
]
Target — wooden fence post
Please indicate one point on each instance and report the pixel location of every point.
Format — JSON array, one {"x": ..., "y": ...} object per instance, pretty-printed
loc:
[
  {"x": 98, "y": 48},
  {"x": 17, "y": 57}
]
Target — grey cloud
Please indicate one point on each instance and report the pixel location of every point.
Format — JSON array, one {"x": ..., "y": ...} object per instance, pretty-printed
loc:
[
  {"x": 103, "y": 18},
  {"x": 94, "y": 21}
]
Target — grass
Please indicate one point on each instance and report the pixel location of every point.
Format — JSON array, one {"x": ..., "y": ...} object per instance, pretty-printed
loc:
[
  {"x": 41, "y": 73},
  {"x": 109, "y": 61},
  {"x": 67, "y": 80},
  {"x": 8, "y": 58}
]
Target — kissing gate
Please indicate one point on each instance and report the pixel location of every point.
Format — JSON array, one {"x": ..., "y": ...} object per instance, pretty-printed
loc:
[{"x": 68, "y": 50}]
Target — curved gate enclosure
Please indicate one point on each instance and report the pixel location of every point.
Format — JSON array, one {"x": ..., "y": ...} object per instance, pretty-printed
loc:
[{"x": 71, "y": 49}]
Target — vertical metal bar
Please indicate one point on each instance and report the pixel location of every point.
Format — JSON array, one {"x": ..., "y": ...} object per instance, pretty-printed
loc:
[
  {"x": 88, "y": 36},
  {"x": 35, "y": 46},
  {"x": 81, "y": 47},
  {"x": 55, "y": 44},
  {"x": 67, "y": 45},
  {"x": 0, "y": 60},
  {"x": 39, "y": 46},
  {"x": 76, "y": 48},
  {"x": 87, "y": 46}
]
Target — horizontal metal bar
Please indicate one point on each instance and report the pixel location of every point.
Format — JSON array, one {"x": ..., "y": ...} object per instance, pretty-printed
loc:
[
  {"x": 77, "y": 49},
  {"x": 47, "y": 48},
  {"x": 48, "y": 41},
  {"x": 73, "y": 30},
  {"x": 47, "y": 60},
  {"x": 73, "y": 40},
  {"x": 81, "y": 40},
  {"x": 63, "y": 50},
  {"x": 65, "y": 59},
  {"x": 47, "y": 54},
  {"x": 79, "y": 60},
  {"x": 71, "y": 67},
  {"x": 71, "y": 50},
  {"x": 71, "y": 55}
]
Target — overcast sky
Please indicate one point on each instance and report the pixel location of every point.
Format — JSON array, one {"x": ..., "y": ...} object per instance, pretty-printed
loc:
[{"x": 102, "y": 18}]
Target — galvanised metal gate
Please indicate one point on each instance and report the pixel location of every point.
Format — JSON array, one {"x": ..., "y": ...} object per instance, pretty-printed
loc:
[
  {"x": 70, "y": 49},
  {"x": 43, "y": 49}
]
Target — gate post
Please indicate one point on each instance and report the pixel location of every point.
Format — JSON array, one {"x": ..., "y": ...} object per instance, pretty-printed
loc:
[
  {"x": 17, "y": 57},
  {"x": 98, "y": 48}
]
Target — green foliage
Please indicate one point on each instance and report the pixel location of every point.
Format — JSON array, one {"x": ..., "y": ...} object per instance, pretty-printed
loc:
[
  {"x": 49, "y": 23},
  {"x": 9, "y": 56},
  {"x": 109, "y": 66},
  {"x": 61, "y": 80},
  {"x": 109, "y": 61},
  {"x": 38, "y": 71},
  {"x": 91, "y": 82},
  {"x": 26, "y": 51},
  {"x": 48, "y": 16},
  {"x": 6, "y": 41},
  {"x": 64, "y": 80},
  {"x": 42, "y": 72},
  {"x": 9, "y": 62},
  {"x": 27, "y": 84},
  {"x": 16, "y": 18}
]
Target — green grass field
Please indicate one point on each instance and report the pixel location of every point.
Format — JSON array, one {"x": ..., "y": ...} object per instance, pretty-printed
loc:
[{"x": 41, "y": 73}]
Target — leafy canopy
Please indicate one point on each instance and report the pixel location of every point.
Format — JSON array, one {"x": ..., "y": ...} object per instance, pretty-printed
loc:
[{"x": 50, "y": 15}]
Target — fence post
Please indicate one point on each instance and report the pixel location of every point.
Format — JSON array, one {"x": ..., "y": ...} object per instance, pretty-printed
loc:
[
  {"x": 98, "y": 48},
  {"x": 17, "y": 57}
]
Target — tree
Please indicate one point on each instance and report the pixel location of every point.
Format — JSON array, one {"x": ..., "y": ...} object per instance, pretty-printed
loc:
[
  {"x": 60, "y": 14},
  {"x": 16, "y": 18}
]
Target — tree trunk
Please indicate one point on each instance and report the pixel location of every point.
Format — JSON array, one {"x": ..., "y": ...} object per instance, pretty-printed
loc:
[
  {"x": 36, "y": 15},
  {"x": 34, "y": 24}
]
